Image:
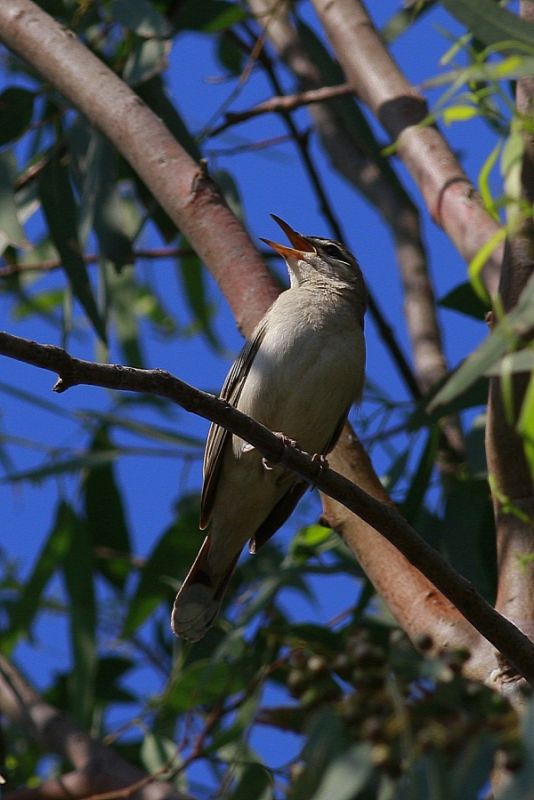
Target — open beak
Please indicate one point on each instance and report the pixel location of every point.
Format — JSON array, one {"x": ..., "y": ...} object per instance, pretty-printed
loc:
[{"x": 300, "y": 243}]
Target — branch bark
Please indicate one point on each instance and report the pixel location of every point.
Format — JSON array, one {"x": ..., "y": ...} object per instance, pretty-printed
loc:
[
  {"x": 97, "y": 767},
  {"x": 181, "y": 186},
  {"x": 505, "y": 452},
  {"x": 376, "y": 179},
  {"x": 382, "y": 517},
  {"x": 448, "y": 193}
]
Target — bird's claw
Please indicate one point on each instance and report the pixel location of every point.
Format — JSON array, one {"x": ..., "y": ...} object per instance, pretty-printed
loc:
[
  {"x": 321, "y": 460},
  {"x": 286, "y": 441}
]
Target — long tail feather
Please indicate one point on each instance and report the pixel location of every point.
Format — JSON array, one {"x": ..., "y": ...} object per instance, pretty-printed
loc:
[{"x": 198, "y": 602}]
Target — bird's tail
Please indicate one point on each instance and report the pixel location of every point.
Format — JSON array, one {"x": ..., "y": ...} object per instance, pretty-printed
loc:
[{"x": 199, "y": 599}]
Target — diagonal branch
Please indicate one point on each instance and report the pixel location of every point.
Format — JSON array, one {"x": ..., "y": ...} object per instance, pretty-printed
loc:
[
  {"x": 384, "y": 518},
  {"x": 448, "y": 193},
  {"x": 97, "y": 767},
  {"x": 181, "y": 186}
]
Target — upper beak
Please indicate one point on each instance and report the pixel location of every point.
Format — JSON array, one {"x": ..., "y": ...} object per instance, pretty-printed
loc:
[{"x": 300, "y": 243}]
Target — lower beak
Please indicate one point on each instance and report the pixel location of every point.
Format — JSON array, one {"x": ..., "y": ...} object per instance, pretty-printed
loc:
[{"x": 300, "y": 243}]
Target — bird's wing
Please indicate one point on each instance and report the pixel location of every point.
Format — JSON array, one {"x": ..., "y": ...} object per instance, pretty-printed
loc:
[
  {"x": 284, "y": 508},
  {"x": 218, "y": 436}
]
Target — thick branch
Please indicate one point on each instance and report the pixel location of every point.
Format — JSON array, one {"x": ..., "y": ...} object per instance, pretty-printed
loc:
[
  {"x": 181, "y": 187},
  {"x": 505, "y": 451},
  {"x": 382, "y": 517},
  {"x": 448, "y": 193},
  {"x": 98, "y": 768}
]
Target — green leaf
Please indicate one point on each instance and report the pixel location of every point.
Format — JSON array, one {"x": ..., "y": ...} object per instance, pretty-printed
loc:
[
  {"x": 145, "y": 429},
  {"x": 109, "y": 672},
  {"x": 459, "y": 113},
  {"x": 155, "y": 95},
  {"x": 59, "y": 208},
  {"x": 326, "y": 740},
  {"x": 148, "y": 59},
  {"x": 159, "y": 754},
  {"x": 419, "y": 483},
  {"x": 203, "y": 683},
  {"x": 346, "y": 774},
  {"x": 466, "y": 301},
  {"x": 78, "y": 576},
  {"x": 106, "y": 520},
  {"x": 101, "y": 205},
  {"x": 483, "y": 182},
  {"x": 525, "y": 425},
  {"x": 50, "y": 559},
  {"x": 522, "y": 361},
  {"x": 491, "y": 23},
  {"x": 504, "y": 337},
  {"x": 192, "y": 279},
  {"x": 33, "y": 399},
  {"x": 468, "y": 540},
  {"x": 209, "y": 16},
  {"x": 255, "y": 782},
  {"x": 171, "y": 556},
  {"x": 141, "y": 17},
  {"x": 16, "y": 111},
  {"x": 122, "y": 293},
  {"x": 10, "y": 225}
]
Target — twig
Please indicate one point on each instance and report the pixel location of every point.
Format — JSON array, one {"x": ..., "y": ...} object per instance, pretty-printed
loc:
[
  {"x": 385, "y": 519},
  {"x": 281, "y": 103}
]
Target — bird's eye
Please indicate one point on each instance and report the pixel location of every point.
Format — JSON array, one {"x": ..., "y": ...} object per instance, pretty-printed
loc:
[{"x": 334, "y": 251}]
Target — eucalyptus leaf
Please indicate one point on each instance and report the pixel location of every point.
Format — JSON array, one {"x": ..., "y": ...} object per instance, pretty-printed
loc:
[
  {"x": 503, "y": 338},
  {"x": 141, "y": 17},
  {"x": 492, "y": 23},
  {"x": 59, "y": 208},
  {"x": 16, "y": 111},
  {"x": 10, "y": 228}
]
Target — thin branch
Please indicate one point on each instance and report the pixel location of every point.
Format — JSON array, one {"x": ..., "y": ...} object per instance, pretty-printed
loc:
[
  {"x": 288, "y": 102},
  {"x": 513, "y": 645}
]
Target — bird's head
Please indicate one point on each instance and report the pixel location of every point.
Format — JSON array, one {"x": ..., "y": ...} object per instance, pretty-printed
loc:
[{"x": 312, "y": 258}]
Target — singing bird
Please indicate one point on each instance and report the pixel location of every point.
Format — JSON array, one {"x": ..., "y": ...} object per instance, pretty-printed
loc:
[{"x": 298, "y": 374}]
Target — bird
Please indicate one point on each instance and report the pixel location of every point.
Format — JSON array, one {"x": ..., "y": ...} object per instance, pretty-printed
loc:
[{"x": 298, "y": 374}]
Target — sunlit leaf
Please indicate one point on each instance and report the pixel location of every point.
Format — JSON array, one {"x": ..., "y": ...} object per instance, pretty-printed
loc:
[
  {"x": 459, "y": 113},
  {"x": 492, "y": 23},
  {"x": 525, "y": 425},
  {"x": 483, "y": 182},
  {"x": 255, "y": 781},
  {"x": 503, "y": 338}
]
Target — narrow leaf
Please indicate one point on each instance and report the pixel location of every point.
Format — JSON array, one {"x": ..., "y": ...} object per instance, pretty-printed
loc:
[
  {"x": 78, "y": 576},
  {"x": 491, "y": 23},
  {"x": 10, "y": 226},
  {"x": 504, "y": 337},
  {"x": 141, "y": 17},
  {"x": 49, "y": 560},
  {"x": 59, "y": 208},
  {"x": 16, "y": 110}
]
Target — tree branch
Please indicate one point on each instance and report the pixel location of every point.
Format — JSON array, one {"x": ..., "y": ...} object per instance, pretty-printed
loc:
[
  {"x": 97, "y": 767},
  {"x": 507, "y": 465},
  {"x": 285, "y": 103},
  {"x": 449, "y": 195},
  {"x": 181, "y": 186},
  {"x": 513, "y": 645}
]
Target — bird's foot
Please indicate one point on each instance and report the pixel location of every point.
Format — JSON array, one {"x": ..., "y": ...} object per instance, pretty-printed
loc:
[
  {"x": 321, "y": 460},
  {"x": 286, "y": 441}
]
